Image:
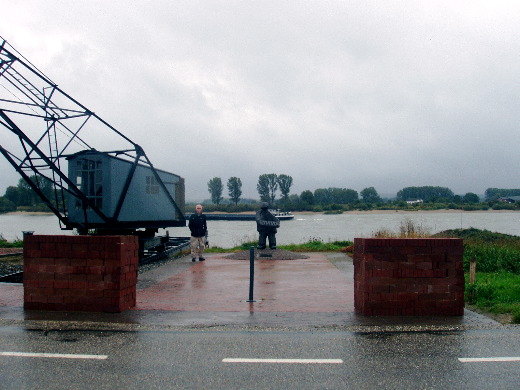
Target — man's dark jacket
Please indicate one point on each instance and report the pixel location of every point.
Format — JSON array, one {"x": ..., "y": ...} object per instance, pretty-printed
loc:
[{"x": 197, "y": 225}]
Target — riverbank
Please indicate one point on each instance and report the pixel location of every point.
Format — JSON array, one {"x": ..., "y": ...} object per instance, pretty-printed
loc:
[
  {"x": 449, "y": 211},
  {"x": 354, "y": 212},
  {"x": 398, "y": 211},
  {"x": 304, "y": 227},
  {"x": 28, "y": 213},
  {"x": 369, "y": 212}
]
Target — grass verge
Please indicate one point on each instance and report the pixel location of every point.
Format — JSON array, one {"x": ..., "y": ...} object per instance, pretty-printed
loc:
[
  {"x": 497, "y": 293},
  {"x": 6, "y": 244},
  {"x": 313, "y": 245}
]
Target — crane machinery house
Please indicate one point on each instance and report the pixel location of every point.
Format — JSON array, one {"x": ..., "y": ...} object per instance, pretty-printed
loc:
[{"x": 124, "y": 191}]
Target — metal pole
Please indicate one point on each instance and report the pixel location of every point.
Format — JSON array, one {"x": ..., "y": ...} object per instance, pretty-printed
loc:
[{"x": 251, "y": 272}]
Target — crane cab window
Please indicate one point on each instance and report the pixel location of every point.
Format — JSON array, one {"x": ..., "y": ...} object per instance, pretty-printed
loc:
[
  {"x": 89, "y": 179},
  {"x": 152, "y": 187}
]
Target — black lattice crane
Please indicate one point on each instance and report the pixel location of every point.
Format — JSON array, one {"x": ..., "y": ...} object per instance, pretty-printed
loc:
[{"x": 110, "y": 184}]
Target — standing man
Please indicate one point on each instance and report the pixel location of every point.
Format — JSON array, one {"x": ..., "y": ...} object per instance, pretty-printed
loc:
[
  {"x": 266, "y": 224},
  {"x": 199, "y": 231}
]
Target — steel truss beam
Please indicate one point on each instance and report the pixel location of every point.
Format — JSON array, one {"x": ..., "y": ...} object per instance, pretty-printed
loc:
[{"x": 31, "y": 102}]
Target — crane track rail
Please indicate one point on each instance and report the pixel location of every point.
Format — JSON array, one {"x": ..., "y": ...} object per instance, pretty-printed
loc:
[
  {"x": 15, "y": 277},
  {"x": 172, "y": 247}
]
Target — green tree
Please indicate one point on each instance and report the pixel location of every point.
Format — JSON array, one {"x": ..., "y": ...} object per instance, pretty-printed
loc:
[
  {"x": 263, "y": 188},
  {"x": 285, "y": 182},
  {"x": 370, "y": 195},
  {"x": 332, "y": 195},
  {"x": 470, "y": 197},
  {"x": 234, "y": 186},
  {"x": 27, "y": 197},
  {"x": 47, "y": 187},
  {"x": 6, "y": 205},
  {"x": 426, "y": 193},
  {"x": 215, "y": 189},
  {"x": 273, "y": 186},
  {"x": 12, "y": 193},
  {"x": 347, "y": 196},
  {"x": 323, "y": 196},
  {"x": 293, "y": 201},
  {"x": 24, "y": 195},
  {"x": 307, "y": 197}
]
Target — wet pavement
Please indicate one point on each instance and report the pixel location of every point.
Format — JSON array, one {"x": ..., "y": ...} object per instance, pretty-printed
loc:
[{"x": 316, "y": 292}]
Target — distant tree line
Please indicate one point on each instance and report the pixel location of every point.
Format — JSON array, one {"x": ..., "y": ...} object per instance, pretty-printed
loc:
[
  {"x": 275, "y": 189},
  {"x": 426, "y": 193},
  {"x": 336, "y": 199},
  {"x": 267, "y": 187},
  {"x": 22, "y": 197}
]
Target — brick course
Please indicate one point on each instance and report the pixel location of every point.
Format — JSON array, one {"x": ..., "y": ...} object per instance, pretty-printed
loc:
[
  {"x": 414, "y": 276},
  {"x": 80, "y": 273}
]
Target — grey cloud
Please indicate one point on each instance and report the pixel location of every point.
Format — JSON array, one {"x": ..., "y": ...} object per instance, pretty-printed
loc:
[{"x": 348, "y": 94}]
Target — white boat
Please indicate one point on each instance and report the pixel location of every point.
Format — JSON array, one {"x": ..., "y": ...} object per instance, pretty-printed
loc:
[{"x": 282, "y": 215}]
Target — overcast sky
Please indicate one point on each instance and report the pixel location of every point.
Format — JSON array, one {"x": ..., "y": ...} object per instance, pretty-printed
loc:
[{"x": 351, "y": 94}]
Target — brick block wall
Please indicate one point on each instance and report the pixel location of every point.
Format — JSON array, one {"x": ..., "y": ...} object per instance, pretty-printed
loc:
[
  {"x": 415, "y": 277},
  {"x": 80, "y": 273}
]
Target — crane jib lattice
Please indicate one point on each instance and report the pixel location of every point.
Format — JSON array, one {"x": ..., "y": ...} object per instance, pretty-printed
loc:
[{"x": 50, "y": 130}]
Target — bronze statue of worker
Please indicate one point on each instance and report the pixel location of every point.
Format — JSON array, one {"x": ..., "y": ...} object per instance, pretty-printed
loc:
[{"x": 266, "y": 225}]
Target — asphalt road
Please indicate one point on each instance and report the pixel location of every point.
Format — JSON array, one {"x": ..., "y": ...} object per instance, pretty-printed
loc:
[{"x": 199, "y": 359}]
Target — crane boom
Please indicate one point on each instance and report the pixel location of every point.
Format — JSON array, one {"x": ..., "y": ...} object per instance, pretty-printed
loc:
[{"x": 50, "y": 130}]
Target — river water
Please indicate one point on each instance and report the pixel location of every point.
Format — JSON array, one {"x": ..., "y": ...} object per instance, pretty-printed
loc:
[{"x": 304, "y": 227}]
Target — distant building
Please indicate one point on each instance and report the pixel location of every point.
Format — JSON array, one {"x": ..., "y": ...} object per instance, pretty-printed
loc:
[
  {"x": 509, "y": 199},
  {"x": 414, "y": 201}
]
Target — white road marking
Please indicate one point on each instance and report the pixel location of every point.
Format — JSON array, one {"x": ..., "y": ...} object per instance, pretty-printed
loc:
[
  {"x": 291, "y": 361},
  {"x": 54, "y": 355},
  {"x": 489, "y": 359}
]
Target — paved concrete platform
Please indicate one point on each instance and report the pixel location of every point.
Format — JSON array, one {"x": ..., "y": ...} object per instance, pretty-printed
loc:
[
  {"x": 222, "y": 285},
  {"x": 316, "y": 292}
]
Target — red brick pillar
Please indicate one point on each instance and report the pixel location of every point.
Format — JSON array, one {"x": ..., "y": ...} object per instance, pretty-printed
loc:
[
  {"x": 422, "y": 276},
  {"x": 80, "y": 273}
]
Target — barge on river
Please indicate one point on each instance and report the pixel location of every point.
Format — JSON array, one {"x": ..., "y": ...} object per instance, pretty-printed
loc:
[{"x": 281, "y": 215}]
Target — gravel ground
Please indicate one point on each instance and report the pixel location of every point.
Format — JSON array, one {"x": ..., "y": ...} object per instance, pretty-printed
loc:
[
  {"x": 9, "y": 262},
  {"x": 7, "y": 268}
]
